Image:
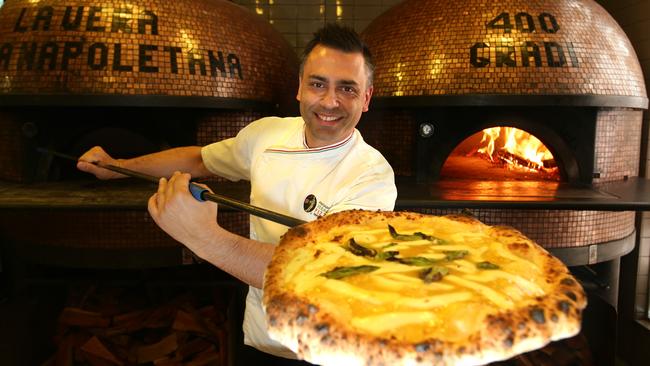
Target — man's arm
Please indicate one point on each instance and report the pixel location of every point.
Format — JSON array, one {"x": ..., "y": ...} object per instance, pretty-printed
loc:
[
  {"x": 159, "y": 164},
  {"x": 194, "y": 224}
]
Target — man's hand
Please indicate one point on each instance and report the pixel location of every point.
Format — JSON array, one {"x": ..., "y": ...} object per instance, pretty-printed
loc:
[
  {"x": 97, "y": 155},
  {"x": 194, "y": 224},
  {"x": 180, "y": 215}
]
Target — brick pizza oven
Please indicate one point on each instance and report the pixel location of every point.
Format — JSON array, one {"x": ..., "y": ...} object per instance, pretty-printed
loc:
[
  {"x": 134, "y": 78},
  {"x": 449, "y": 73},
  {"x": 447, "y": 70}
]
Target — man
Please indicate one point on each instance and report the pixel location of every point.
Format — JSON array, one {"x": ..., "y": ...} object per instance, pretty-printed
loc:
[{"x": 303, "y": 167}]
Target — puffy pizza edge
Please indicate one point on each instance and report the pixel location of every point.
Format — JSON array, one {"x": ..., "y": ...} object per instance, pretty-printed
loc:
[{"x": 319, "y": 338}]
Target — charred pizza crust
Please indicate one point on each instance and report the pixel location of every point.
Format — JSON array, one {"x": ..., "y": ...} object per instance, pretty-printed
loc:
[{"x": 304, "y": 323}]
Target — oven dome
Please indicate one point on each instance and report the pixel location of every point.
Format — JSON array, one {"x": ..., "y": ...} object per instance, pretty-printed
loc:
[
  {"x": 184, "y": 48},
  {"x": 523, "y": 48}
]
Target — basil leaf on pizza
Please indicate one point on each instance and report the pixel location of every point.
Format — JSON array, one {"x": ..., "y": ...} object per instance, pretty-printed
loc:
[
  {"x": 342, "y": 272},
  {"x": 487, "y": 265},
  {"x": 402, "y": 288},
  {"x": 433, "y": 274}
]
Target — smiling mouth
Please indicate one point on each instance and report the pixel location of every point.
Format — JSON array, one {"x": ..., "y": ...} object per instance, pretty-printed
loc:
[{"x": 329, "y": 120}]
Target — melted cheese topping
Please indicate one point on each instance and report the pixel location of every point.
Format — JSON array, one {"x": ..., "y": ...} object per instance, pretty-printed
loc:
[{"x": 394, "y": 300}]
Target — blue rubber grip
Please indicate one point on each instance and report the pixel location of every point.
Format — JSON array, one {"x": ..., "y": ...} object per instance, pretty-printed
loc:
[{"x": 197, "y": 191}]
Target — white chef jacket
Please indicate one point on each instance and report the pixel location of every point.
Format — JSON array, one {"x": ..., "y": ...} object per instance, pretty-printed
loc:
[{"x": 290, "y": 178}]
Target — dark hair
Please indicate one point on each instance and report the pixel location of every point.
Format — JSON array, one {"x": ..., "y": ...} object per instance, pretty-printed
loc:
[{"x": 340, "y": 38}]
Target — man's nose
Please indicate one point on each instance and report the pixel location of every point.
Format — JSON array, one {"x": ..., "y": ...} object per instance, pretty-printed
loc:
[{"x": 330, "y": 99}]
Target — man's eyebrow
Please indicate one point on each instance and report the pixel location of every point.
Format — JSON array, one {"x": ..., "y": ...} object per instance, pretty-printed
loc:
[
  {"x": 339, "y": 82},
  {"x": 318, "y": 77},
  {"x": 347, "y": 83}
]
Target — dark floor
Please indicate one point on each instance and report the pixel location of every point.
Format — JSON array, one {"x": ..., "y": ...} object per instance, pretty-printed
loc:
[
  {"x": 620, "y": 362},
  {"x": 33, "y": 296},
  {"x": 27, "y": 321},
  {"x": 31, "y": 299}
]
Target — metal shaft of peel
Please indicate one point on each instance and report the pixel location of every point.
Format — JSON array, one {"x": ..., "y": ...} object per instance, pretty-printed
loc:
[{"x": 208, "y": 196}]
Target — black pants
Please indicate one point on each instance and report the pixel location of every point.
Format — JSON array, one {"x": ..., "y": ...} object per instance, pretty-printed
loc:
[{"x": 249, "y": 356}]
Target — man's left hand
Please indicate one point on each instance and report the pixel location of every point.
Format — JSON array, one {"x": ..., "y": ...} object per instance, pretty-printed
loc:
[{"x": 180, "y": 215}]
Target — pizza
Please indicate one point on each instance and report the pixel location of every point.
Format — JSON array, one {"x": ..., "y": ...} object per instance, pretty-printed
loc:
[{"x": 403, "y": 288}]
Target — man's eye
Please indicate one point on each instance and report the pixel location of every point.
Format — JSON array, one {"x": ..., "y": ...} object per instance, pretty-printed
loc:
[
  {"x": 349, "y": 90},
  {"x": 317, "y": 84}
]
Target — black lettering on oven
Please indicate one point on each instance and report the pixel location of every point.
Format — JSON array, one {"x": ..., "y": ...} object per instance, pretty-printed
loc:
[
  {"x": 173, "y": 62},
  {"x": 95, "y": 62},
  {"x": 234, "y": 65},
  {"x": 144, "y": 57},
  {"x": 572, "y": 54},
  {"x": 5, "y": 55},
  {"x": 505, "y": 56},
  {"x": 148, "y": 18},
  {"x": 530, "y": 49},
  {"x": 194, "y": 59},
  {"x": 217, "y": 63},
  {"x": 49, "y": 51},
  {"x": 26, "y": 56},
  {"x": 18, "y": 27},
  {"x": 500, "y": 22},
  {"x": 94, "y": 15},
  {"x": 554, "y": 54},
  {"x": 475, "y": 59},
  {"x": 545, "y": 19},
  {"x": 71, "y": 50},
  {"x": 117, "y": 59},
  {"x": 524, "y": 23},
  {"x": 120, "y": 21},
  {"x": 68, "y": 24},
  {"x": 44, "y": 15}
]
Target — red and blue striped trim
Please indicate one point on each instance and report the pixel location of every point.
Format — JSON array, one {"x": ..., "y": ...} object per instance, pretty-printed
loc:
[{"x": 314, "y": 150}]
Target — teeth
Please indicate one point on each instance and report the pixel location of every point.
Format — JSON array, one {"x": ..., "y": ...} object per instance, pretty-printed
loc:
[{"x": 327, "y": 118}]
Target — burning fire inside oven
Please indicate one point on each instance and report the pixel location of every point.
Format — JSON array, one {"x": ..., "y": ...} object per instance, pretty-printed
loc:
[{"x": 508, "y": 153}]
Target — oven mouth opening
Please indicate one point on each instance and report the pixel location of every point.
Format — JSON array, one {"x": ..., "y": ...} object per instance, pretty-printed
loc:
[
  {"x": 501, "y": 153},
  {"x": 121, "y": 131},
  {"x": 118, "y": 141}
]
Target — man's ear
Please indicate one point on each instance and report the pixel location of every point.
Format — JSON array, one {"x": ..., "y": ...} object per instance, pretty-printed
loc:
[
  {"x": 299, "y": 88},
  {"x": 367, "y": 96}
]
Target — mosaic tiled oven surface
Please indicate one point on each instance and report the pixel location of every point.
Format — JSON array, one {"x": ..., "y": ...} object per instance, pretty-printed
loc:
[
  {"x": 616, "y": 155},
  {"x": 618, "y": 138},
  {"x": 542, "y": 47},
  {"x": 616, "y": 151},
  {"x": 220, "y": 125},
  {"x": 217, "y": 126},
  {"x": 187, "y": 48},
  {"x": 153, "y": 47},
  {"x": 512, "y": 48},
  {"x": 556, "y": 228},
  {"x": 106, "y": 229},
  {"x": 393, "y": 133}
]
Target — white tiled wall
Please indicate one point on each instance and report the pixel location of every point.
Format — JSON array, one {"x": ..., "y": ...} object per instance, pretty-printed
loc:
[
  {"x": 298, "y": 19},
  {"x": 642, "y": 305}
]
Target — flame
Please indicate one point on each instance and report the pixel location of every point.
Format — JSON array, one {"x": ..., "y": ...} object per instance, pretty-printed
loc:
[
  {"x": 524, "y": 149},
  {"x": 490, "y": 135}
]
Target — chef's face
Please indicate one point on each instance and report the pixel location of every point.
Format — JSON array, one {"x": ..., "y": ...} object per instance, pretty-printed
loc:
[{"x": 333, "y": 93}]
